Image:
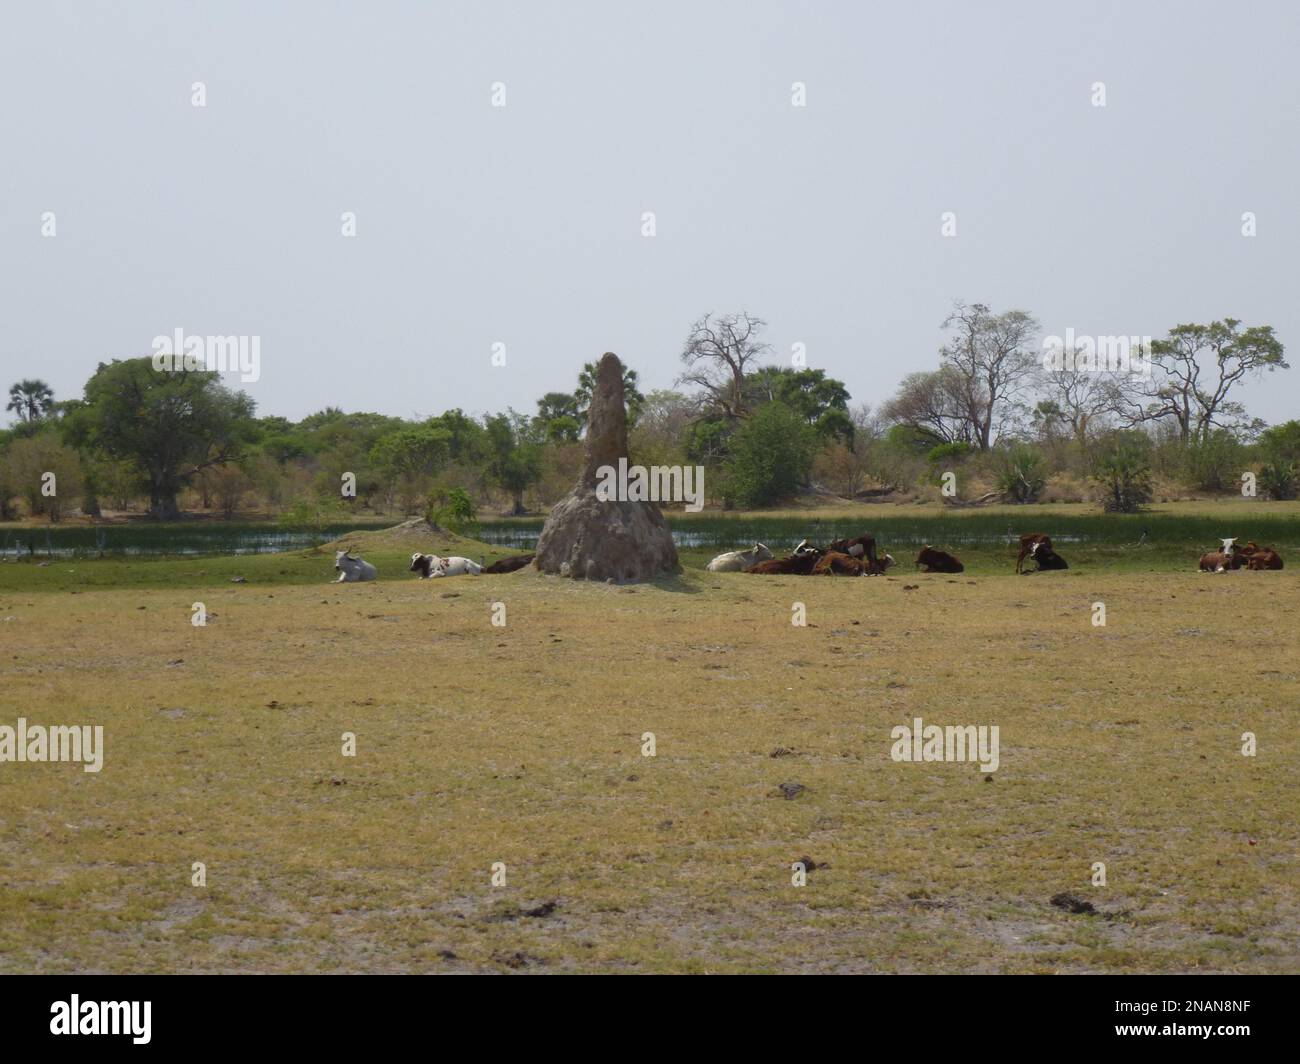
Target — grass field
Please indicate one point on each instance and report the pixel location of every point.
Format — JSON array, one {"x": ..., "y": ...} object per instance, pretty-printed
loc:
[{"x": 522, "y": 744}]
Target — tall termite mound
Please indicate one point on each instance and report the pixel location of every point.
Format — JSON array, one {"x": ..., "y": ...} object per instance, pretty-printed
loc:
[{"x": 587, "y": 537}]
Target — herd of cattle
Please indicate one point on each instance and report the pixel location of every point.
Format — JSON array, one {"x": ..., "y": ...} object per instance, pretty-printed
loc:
[
  {"x": 843, "y": 557},
  {"x": 352, "y": 569},
  {"x": 1230, "y": 556},
  {"x": 858, "y": 557}
]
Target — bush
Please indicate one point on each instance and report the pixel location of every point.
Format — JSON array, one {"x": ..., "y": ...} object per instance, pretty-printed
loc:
[
  {"x": 454, "y": 511},
  {"x": 1278, "y": 479},
  {"x": 1123, "y": 476},
  {"x": 313, "y": 512},
  {"x": 1215, "y": 463},
  {"x": 771, "y": 456},
  {"x": 1019, "y": 474}
]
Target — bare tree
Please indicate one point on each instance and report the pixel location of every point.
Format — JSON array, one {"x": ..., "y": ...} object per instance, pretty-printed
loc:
[
  {"x": 1078, "y": 400},
  {"x": 1194, "y": 369},
  {"x": 992, "y": 355},
  {"x": 932, "y": 403},
  {"x": 718, "y": 351}
]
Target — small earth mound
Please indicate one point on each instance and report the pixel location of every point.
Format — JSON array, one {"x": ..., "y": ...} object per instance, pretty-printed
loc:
[{"x": 1072, "y": 903}]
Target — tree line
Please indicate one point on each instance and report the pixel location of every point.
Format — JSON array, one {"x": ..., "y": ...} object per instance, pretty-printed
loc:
[{"x": 994, "y": 418}]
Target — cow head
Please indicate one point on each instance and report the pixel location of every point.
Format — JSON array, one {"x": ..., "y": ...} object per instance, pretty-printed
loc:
[
  {"x": 1229, "y": 546},
  {"x": 886, "y": 561},
  {"x": 422, "y": 564},
  {"x": 761, "y": 553},
  {"x": 1033, "y": 548},
  {"x": 805, "y": 548},
  {"x": 344, "y": 562}
]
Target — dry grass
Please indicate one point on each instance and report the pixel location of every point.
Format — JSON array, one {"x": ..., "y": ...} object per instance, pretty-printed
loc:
[{"x": 521, "y": 744}]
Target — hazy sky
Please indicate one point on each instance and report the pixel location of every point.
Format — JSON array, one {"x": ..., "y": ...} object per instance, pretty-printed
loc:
[{"x": 522, "y": 224}]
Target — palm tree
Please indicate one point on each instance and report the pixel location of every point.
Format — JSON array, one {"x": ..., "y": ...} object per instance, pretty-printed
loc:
[{"x": 31, "y": 400}]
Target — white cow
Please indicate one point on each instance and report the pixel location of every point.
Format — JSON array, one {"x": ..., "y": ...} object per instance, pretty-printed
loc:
[
  {"x": 352, "y": 569},
  {"x": 738, "y": 560}
]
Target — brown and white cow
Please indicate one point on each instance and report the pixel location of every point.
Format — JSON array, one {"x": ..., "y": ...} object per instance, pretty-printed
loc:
[
  {"x": 1264, "y": 558},
  {"x": 1029, "y": 543},
  {"x": 938, "y": 561},
  {"x": 1045, "y": 557},
  {"x": 863, "y": 546},
  {"x": 1216, "y": 562}
]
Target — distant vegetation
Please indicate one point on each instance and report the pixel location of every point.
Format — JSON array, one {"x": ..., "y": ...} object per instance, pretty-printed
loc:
[{"x": 990, "y": 422}]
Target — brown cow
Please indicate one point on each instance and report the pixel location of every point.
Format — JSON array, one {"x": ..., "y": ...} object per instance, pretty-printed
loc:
[
  {"x": 1027, "y": 546},
  {"x": 834, "y": 563},
  {"x": 796, "y": 565},
  {"x": 1241, "y": 555},
  {"x": 938, "y": 561},
  {"x": 509, "y": 565},
  {"x": 1264, "y": 558},
  {"x": 1216, "y": 562},
  {"x": 863, "y": 546}
]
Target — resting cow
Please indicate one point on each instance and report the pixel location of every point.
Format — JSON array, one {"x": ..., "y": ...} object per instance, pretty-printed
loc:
[
  {"x": 1216, "y": 562},
  {"x": 938, "y": 561},
  {"x": 1264, "y": 558},
  {"x": 738, "y": 560},
  {"x": 430, "y": 566},
  {"x": 1029, "y": 543},
  {"x": 834, "y": 563},
  {"x": 509, "y": 565},
  {"x": 351, "y": 570},
  {"x": 1046, "y": 558},
  {"x": 863, "y": 546},
  {"x": 795, "y": 565}
]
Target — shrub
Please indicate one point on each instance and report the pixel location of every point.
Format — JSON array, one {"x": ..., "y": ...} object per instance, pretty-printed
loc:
[
  {"x": 1278, "y": 479},
  {"x": 1123, "y": 477},
  {"x": 1215, "y": 463},
  {"x": 1020, "y": 473},
  {"x": 454, "y": 511},
  {"x": 770, "y": 456}
]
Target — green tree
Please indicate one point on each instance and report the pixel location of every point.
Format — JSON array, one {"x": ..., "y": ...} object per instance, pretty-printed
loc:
[
  {"x": 514, "y": 459},
  {"x": 1194, "y": 371},
  {"x": 771, "y": 454},
  {"x": 632, "y": 397},
  {"x": 407, "y": 460},
  {"x": 453, "y": 510},
  {"x": 821, "y": 401},
  {"x": 32, "y": 400},
  {"x": 1281, "y": 442},
  {"x": 171, "y": 424},
  {"x": 48, "y": 474},
  {"x": 1214, "y": 462}
]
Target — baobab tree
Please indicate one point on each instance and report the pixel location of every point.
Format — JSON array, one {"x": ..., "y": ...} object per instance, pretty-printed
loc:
[{"x": 718, "y": 352}]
